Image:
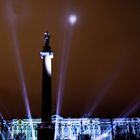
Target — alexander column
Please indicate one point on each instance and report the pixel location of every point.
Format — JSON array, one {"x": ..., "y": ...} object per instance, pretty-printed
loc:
[{"x": 46, "y": 128}]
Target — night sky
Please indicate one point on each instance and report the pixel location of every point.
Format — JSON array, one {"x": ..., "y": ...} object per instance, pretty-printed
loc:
[{"x": 96, "y": 65}]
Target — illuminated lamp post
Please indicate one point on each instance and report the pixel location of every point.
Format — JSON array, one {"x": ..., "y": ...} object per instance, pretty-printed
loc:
[{"x": 46, "y": 128}]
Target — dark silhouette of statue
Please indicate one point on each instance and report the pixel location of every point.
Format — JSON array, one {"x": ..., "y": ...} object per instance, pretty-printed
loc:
[{"x": 46, "y": 47}]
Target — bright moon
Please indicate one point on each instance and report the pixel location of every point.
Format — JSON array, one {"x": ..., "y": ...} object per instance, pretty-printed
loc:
[{"x": 72, "y": 19}]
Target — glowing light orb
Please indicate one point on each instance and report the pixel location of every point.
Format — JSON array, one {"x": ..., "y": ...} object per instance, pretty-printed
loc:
[{"x": 72, "y": 19}]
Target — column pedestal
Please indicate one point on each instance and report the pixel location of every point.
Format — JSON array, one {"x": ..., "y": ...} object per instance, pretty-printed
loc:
[{"x": 45, "y": 131}]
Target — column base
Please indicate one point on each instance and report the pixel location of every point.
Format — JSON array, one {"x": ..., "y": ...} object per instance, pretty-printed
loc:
[
  {"x": 84, "y": 137},
  {"x": 45, "y": 131}
]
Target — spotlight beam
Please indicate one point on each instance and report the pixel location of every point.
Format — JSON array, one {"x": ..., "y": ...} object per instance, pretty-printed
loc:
[
  {"x": 11, "y": 20},
  {"x": 65, "y": 50},
  {"x": 107, "y": 86}
]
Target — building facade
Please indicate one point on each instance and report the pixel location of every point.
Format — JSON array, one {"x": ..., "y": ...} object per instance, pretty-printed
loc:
[{"x": 74, "y": 128}]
